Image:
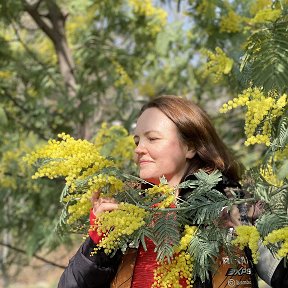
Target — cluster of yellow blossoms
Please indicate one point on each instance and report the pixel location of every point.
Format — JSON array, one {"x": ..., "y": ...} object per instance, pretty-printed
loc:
[
  {"x": 123, "y": 77},
  {"x": 77, "y": 22},
  {"x": 266, "y": 15},
  {"x": 206, "y": 7},
  {"x": 180, "y": 268},
  {"x": 268, "y": 174},
  {"x": 7, "y": 181},
  {"x": 118, "y": 223},
  {"x": 261, "y": 11},
  {"x": 67, "y": 158},
  {"x": 158, "y": 16},
  {"x": 248, "y": 236},
  {"x": 108, "y": 185},
  {"x": 279, "y": 236},
  {"x": 5, "y": 74},
  {"x": 231, "y": 23},
  {"x": 259, "y": 5},
  {"x": 262, "y": 111},
  {"x": 218, "y": 64},
  {"x": 162, "y": 190},
  {"x": 281, "y": 155},
  {"x": 81, "y": 207},
  {"x": 115, "y": 142},
  {"x": 80, "y": 162},
  {"x": 12, "y": 168}
]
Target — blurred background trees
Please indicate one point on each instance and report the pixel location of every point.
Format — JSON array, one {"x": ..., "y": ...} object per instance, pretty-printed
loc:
[{"x": 69, "y": 65}]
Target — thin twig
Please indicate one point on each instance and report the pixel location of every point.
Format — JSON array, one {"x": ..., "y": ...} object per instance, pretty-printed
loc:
[{"x": 34, "y": 255}]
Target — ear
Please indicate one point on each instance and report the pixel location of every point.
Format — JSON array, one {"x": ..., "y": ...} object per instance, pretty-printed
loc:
[{"x": 190, "y": 153}]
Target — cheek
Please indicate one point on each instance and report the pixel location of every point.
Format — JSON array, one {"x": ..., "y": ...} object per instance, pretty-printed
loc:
[
  {"x": 156, "y": 151},
  {"x": 177, "y": 162},
  {"x": 179, "y": 149},
  {"x": 178, "y": 155},
  {"x": 135, "y": 157}
]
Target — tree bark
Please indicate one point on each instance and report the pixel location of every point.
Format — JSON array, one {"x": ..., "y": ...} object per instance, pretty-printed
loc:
[
  {"x": 53, "y": 25},
  {"x": 3, "y": 258}
]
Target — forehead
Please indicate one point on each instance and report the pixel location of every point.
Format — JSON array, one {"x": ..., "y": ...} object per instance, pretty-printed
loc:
[{"x": 153, "y": 119}]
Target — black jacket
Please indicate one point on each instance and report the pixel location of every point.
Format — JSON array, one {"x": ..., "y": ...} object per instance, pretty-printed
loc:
[{"x": 86, "y": 271}]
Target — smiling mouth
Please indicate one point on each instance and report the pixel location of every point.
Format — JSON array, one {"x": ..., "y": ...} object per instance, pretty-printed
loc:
[{"x": 144, "y": 162}]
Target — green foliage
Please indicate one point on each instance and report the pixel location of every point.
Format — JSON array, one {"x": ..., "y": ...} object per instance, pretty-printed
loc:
[
  {"x": 270, "y": 221},
  {"x": 205, "y": 203},
  {"x": 204, "y": 252},
  {"x": 281, "y": 141},
  {"x": 10, "y": 9},
  {"x": 166, "y": 234},
  {"x": 265, "y": 61},
  {"x": 140, "y": 236},
  {"x": 210, "y": 180},
  {"x": 23, "y": 197}
]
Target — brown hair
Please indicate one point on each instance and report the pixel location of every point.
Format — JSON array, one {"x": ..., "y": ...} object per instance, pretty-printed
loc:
[{"x": 197, "y": 131}]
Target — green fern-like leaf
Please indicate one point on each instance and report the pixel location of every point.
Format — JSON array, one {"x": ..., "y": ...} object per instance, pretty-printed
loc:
[
  {"x": 205, "y": 207},
  {"x": 283, "y": 132},
  {"x": 211, "y": 179},
  {"x": 204, "y": 203},
  {"x": 265, "y": 62},
  {"x": 203, "y": 181},
  {"x": 271, "y": 221},
  {"x": 141, "y": 235},
  {"x": 166, "y": 233},
  {"x": 261, "y": 192},
  {"x": 281, "y": 138},
  {"x": 283, "y": 171},
  {"x": 204, "y": 249}
]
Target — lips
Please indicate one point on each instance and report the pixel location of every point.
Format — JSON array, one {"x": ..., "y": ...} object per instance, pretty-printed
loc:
[{"x": 144, "y": 162}]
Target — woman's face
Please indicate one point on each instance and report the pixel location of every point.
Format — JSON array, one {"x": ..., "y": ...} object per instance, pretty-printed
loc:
[{"x": 159, "y": 151}]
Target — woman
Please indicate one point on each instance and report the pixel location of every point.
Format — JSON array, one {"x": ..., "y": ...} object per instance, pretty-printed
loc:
[{"x": 174, "y": 138}]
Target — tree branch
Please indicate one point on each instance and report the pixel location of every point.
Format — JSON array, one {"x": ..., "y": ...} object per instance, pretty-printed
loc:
[
  {"x": 34, "y": 255},
  {"x": 32, "y": 10},
  {"x": 34, "y": 57},
  {"x": 54, "y": 28},
  {"x": 53, "y": 25},
  {"x": 27, "y": 127},
  {"x": 56, "y": 32},
  {"x": 37, "y": 4}
]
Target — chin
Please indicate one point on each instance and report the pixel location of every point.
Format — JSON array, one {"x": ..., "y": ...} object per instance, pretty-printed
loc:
[{"x": 150, "y": 179}]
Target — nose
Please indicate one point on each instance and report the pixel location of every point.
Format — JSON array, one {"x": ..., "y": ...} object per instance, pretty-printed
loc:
[{"x": 140, "y": 149}]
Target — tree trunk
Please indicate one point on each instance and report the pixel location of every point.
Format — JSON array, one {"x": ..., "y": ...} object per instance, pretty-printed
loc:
[
  {"x": 4, "y": 265},
  {"x": 53, "y": 25}
]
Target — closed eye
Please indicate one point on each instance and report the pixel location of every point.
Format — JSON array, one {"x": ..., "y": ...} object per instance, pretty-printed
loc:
[{"x": 153, "y": 138}]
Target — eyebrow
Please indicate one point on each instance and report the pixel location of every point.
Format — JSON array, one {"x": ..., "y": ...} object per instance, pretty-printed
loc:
[{"x": 147, "y": 132}]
